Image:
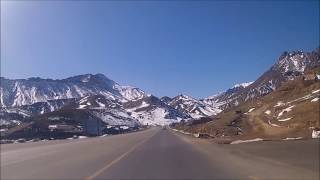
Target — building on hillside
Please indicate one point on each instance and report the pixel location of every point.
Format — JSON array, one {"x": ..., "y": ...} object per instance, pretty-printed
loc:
[{"x": 93, "y": 126}]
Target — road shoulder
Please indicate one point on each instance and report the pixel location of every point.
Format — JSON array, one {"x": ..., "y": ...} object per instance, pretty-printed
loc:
[{"x": 285, "y": 160}]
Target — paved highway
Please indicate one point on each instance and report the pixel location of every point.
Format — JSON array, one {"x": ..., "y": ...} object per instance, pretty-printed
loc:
[{"x": 159, "y": 154}]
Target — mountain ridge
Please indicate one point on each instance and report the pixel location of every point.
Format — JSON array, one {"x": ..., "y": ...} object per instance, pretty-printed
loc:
[
  {"x": 37, "y": 96},
  {"x": 289, "y": 66}
]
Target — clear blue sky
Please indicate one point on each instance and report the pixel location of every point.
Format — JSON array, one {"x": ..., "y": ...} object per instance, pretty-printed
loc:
[{"x": 165, "y": 48}]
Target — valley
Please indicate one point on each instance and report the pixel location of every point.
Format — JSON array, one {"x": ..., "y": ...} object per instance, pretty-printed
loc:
[{"x": 282, "y": 103}]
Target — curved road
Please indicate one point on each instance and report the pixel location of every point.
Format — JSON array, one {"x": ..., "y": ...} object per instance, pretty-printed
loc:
[{"x": 159, "y": 154}]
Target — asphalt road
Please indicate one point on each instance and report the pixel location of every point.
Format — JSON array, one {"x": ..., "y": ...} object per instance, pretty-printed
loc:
[{"x": 159, "y": 154}]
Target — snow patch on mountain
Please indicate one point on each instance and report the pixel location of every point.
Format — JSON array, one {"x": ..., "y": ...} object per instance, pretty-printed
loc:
[
  {"x": 244, "y": 85},
  {"x": 195, "y": 108},
  {"x": 131, "y": 93},
  {"x": 295, "y": 61},
  {"x": 115, "y": 117},
  {"x": 157, "y": 116},
  {"x": 152, "y": 111},
  {"x": 288, "y": 109}
]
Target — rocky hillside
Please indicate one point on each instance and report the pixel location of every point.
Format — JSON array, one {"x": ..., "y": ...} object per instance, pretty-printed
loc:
[
  {"x": 288, "y": 67},
  {"x": 291, "y": 111}
]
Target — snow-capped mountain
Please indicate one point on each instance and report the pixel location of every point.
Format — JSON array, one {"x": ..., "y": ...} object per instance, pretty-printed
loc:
[
  {"x": 151, "y": 110},
  {"x": 28, "y": 91},
  {"x": 23, "y": 99},
  {"x": 288, "y": 67},
  {"x": 195, "y": 108},
  {"x": 222, "y": 100}
]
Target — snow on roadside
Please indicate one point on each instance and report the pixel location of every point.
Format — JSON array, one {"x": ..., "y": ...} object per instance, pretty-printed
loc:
[
  {"x": 315, "y": 99},
  {"x": 246, "y": 141},
  {"x": 268, "y": 112},
  {"x": 294, "y": 138},
  {"x": 315, "y": 134},
  {"x": 77, "y": 137},
  {"x": 104, "y": 135},
  {"x": 250, "y": 110},
  {"x": 315, "y": 91},
  {"x": 181, "y": 131}
]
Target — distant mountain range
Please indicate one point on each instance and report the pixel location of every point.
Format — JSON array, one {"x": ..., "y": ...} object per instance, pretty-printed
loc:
[
  {"x": 28, "y": 91},
  {"x": 22, "y": 100}
]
